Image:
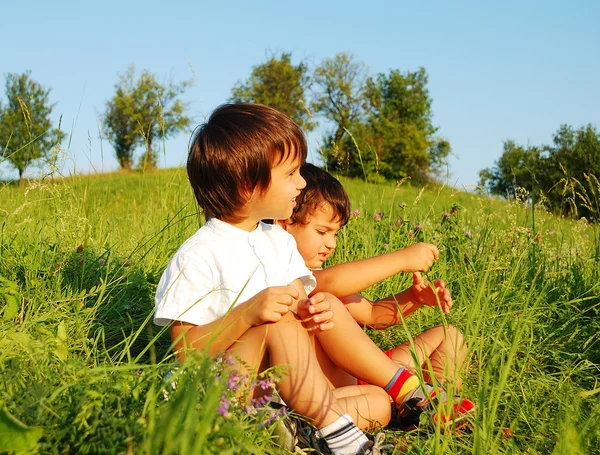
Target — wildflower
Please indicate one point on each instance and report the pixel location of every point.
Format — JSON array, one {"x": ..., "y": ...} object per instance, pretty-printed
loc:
[
  {"x": 224, "y": 407},
  {"x": 80, "y": 249},
  {"x": 411, "y": 234},
  {"x": 445, "y": 216},
  {"x": 550, "y": 232},
  {"x": 140, "y": 371},
  {"x": 124, "y": 263},
  {"x": 386, "y": 247},
  {"x": 266, "y": 384},
  {"x": 356, "y": 213},
  {"x": 468, "y": 234},
  {"x": 260, "y": 401},
  {"x": 453, "y": 210},
  {"x": 235, "y": 381},
  {"x": 81, "y": 262},
  {"x": 417, "y": 227},
  {"x": 400, "y": 222},
  {"x": 101, "y": 262},
  {"x": 276, "y": 415},
  {"x": 403, "y": 204},
  {"x": 377, "y": 217}
]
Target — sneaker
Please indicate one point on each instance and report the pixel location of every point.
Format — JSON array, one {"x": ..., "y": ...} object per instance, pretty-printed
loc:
[
  {"x": 375, "y": 445},
  {"x": 293, "y": 433},
  {"x": 407, "y": 416}
]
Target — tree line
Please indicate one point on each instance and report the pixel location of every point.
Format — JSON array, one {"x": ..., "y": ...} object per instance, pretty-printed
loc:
[
  {"x": 378, "y": 127},
  {"x": 563, "y": 175},
  {"x": 381, "y": 125}
]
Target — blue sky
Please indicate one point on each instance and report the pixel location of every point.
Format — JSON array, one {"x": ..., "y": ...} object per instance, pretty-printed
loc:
[{"x": 497, "y": 70}]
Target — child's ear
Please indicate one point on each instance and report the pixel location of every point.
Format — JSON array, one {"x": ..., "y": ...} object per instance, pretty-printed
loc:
[{"x": 283, "y": 223}]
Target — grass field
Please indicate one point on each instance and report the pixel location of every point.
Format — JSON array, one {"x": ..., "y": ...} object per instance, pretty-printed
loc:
[{"x": 82, "y": 367}]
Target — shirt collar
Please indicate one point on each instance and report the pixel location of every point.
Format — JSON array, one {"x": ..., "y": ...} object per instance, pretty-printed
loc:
[{"x": 225, "y": 229}]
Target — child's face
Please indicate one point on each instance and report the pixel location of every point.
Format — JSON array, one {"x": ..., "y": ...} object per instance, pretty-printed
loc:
[
  {"x": 316, "y": 240},
  {"x": 279, "y": 200}
]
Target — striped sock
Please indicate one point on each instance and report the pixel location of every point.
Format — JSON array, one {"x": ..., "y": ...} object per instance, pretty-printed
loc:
[
  {"x": 402, "y": 383},
  {"x": 343, "y": 437}
]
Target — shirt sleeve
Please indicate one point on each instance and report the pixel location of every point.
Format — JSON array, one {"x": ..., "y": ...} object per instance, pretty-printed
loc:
[{"x": 186, "y": 292}]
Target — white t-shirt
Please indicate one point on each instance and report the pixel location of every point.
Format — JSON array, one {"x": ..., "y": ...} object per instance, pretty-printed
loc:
[{"x": 221, "y": 266}]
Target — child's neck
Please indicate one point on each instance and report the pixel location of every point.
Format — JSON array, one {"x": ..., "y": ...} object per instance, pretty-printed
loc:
[{"x": 247, "y": 224}]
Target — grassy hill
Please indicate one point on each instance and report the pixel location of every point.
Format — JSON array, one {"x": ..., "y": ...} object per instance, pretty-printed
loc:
[{"x": 83, "y": 367}]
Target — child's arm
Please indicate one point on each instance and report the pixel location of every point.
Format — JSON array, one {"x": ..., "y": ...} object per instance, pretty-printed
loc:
[
  {"x": 386, "y": 312},
  {"x": 268, "y": 305},
  {"x": 352, "y": 277}
]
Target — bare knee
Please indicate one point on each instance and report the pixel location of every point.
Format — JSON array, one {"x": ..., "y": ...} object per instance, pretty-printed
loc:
[{"x": 455, "y": 335}]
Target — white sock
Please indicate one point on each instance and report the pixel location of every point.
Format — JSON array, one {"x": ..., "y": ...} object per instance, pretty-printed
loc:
[{"x": 343, "y": 437}]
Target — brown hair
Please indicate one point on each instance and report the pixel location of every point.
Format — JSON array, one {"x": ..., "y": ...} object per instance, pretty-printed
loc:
[
  {"x": 321, "y": 187},
  {"x": 232, "y": 154}
]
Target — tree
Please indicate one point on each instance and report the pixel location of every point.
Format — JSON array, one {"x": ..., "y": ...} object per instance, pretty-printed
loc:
[
  {"x": 26, "y": 132},
  {"x": 339, "y": 92},
  {"x": 396, "y": 137},
  {"x": 279, "y": 84},
  {"x": 564, "y": 173},
  {"x": 518, "y": 167},
  {"x": 141, "y": 111}
]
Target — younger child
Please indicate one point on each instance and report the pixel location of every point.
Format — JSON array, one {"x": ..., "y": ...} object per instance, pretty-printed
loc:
[{"x": 321, "y": 210}]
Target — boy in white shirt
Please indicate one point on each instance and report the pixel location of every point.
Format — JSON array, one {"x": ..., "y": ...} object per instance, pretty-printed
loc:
[{"x": 240, "y": 286}]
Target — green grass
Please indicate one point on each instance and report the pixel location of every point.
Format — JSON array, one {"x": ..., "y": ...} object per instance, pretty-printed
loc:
[{"x": 82, "y": 363}]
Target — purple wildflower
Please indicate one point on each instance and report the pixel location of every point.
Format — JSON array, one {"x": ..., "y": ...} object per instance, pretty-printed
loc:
[
  {"x": 377, "y": 217},
  {"x": 445, "y": 216},
  {"x": 356, "y": 213},
  {"x": 234, "y": 381},
  {"x": 260, "y": 401},
  {"x": 400, "y": 222},
  {"x": 224, "y": 407},
  {"x": 266, "y": 384},
  {"x": 453, "y": 210},
  {"x": 101, "y": 262},
  {"x": 550, "y": 232},
  {"x": 417, "y": 227},
  {"x": 468, "y": 234},
  {"x": 276, "y": 415},
  {"x": 411, "y": 234},
  {"x": 81, "y": 262}
]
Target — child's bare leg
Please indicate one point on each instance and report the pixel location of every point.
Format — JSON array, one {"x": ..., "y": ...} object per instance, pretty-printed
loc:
[
  {"x": 368, "y": 405},
  {"x": 352, "y": 350},
  {"x": 335, "y": 375},
  {"x": 441, "y": 353},
  {"x": 305, "y": 388}
]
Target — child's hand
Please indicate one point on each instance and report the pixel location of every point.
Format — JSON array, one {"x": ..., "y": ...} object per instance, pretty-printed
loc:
[
  {"x": 427, "y": 295},
  {"x": 420, "y": 257},
  {"x": 270, "y": 304},
  {"x": 315, "y": 313}
]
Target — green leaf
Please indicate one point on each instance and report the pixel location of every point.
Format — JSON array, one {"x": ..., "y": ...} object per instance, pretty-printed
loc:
[
  {"x": 16, "y": 436},
  {"x": 12, "y": 307}
]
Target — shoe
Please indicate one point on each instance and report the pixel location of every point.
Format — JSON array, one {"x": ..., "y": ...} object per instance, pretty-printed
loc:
[
  {"x": 375, "y": 445},
  {"x": 293, "y": 433},
  {"x": 407, "y": 415}
]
